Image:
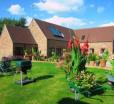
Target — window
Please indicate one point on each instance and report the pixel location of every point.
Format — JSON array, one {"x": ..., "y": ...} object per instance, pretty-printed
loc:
[
  {"x": 83, "y": 37},
  {"x": 59, "y": 51},
  {"x": 50, "y": 51},
  {"x": 91, "y": 50},
  {"x": 102, "y": 50},
  {"x": 56, "y": 32},
  {"x": 19, "y": 51}
]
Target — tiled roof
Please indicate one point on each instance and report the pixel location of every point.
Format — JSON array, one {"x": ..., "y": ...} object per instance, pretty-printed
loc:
[
  {"x": 100, "y": 34},
  {"x": 49, "y": 35},
  {"x": 20, "y": 35}
]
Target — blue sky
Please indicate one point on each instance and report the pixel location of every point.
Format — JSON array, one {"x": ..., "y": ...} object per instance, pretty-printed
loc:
[{"x": 70, "y": 13}]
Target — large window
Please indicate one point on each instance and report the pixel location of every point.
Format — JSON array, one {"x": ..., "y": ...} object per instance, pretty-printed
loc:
[
  {"x": 58, "y": 51},
  {"x": 56, "y": 32},
  {"x": 50, "y": 51},
  {"x": 18, "y": 51}
]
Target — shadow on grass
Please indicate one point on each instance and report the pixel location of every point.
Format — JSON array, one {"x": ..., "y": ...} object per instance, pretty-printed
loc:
[
  {"x": 1, "y": 75},
  {"x": 29, "y": 80},
  {"x": 43, "y": 77},
  {"x": 107, "y": 95},
  {"x": 70, "y": 101},
  {"x": 100, "y": 100}
]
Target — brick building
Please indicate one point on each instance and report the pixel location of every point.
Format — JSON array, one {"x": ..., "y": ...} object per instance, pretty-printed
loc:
[
  {"x": 48, "y": 37},
  {"x": 99, "y": 39}
]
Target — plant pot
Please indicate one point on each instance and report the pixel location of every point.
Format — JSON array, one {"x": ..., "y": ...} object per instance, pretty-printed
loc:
[
  {"x": 96, "y": 90},
  {"x": 102, "y": 63},
  {"x": 92, "y": 63}
]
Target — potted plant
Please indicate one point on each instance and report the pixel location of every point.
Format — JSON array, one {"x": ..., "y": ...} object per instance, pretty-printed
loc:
[
  {"x": 27, "y": 54},
  {"x": 36, "y": 54},
  {"x": 104, "y": 57},
  {"x": 92, "y": 59},
  {"x": 97, "y": 60},
  {"x": 79, "y": 80}
]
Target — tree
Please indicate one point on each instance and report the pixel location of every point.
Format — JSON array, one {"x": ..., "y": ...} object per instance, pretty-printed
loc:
[
  {"x": 21, "y": 22},
  {"x": 12, "y": 22}
]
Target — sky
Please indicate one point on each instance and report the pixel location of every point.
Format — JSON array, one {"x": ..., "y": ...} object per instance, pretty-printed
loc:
[{"x": 74, "y": 14}]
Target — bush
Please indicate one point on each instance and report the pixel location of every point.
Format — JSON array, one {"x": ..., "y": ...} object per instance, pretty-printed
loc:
[
  {"x": 54, "y": 57},
  {"x": 105, "y": 55},
  {"x": 92, "y": 57}
]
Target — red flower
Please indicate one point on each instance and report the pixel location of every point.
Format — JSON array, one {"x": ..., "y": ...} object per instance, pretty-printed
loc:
[
  {"x": 86, "y": 44},
  {"x": 76, "y": 42},
  {"x": 84, "y": 48},
  {"x": 70, "y": 44}
]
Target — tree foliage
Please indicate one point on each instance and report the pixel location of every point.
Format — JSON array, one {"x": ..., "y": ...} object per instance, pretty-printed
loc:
[{"x": 12, "y": 22}]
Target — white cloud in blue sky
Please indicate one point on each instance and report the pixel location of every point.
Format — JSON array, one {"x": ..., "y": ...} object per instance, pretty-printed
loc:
[
  {"x": 67, "y": 21},
  {"x": 56, "y": 6},
  {"x": 16, "y": 9},
  {"x": 28, "y": 20},
  {"x": 107, "y": 24},
  {"x": 72, "y": 13}
]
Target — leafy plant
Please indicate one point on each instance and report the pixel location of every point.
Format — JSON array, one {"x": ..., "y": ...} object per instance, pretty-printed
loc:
[
  {"x": 74, "y": 66},
  {"x": 78, "y": 78},
  {"x": 36, "y": 54},
  {"x": 54, "y": 57},
  {"x": 112, "y": 64},
  {"x": 92, "y": 57},
  {"x": 105, "y": 55}
]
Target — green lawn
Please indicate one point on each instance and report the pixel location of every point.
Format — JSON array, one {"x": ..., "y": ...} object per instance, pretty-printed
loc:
[{"x": 50, "y": 88}]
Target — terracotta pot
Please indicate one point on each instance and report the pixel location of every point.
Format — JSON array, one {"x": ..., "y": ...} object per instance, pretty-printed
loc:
[
  {"x": 102, "y": 63},
  {"x": 92, "y": 63}
]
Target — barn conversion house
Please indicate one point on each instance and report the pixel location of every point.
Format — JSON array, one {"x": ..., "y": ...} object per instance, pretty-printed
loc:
[{"x": 48, "y": 37}]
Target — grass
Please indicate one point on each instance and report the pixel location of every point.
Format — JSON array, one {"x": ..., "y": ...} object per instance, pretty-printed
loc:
[{"x": 50, "y": 88}]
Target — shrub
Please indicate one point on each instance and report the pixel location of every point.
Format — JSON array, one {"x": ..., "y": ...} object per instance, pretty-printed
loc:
[
  {"x": 92, "y": 57},
  {"x": 54, "y": 57}
]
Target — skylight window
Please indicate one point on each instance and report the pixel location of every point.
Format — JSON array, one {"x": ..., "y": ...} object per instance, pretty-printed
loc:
[{"x": 56, "y": 32}]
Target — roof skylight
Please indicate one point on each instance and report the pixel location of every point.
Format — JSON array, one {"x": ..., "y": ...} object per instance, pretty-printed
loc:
[{"x": 56, "y": 32}]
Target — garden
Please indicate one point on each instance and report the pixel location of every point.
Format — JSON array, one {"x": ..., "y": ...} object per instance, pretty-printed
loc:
[{"x": 51, "y": 87}]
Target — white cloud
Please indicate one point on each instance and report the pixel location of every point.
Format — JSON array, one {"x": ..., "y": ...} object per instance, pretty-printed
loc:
[
  {"x": 100, "y": 9},
  {"x": 16, "y": 9},
  {"x": 107, "y": 24},
  {"x": 67, "y": 21},
  {"x": 28, "y": 20},
  {"x": 53, "y": 6}
]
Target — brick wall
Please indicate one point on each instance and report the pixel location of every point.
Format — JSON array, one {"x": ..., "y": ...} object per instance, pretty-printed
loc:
[
  {"x": 6, "y": 44},
  {"x": 57, "y": 44},
  {"x": 39, "y": 37},
  {"x": 97, "y": 46}
]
